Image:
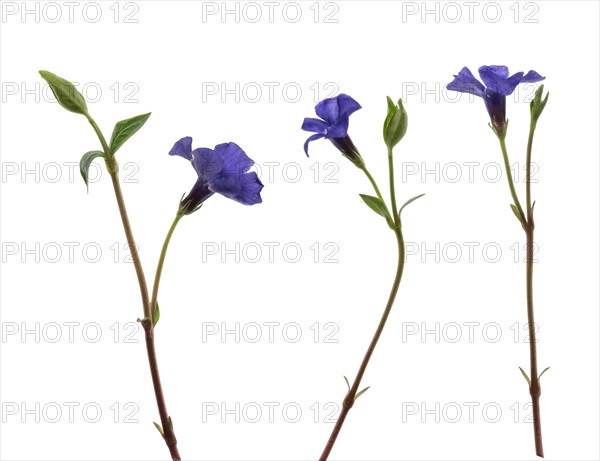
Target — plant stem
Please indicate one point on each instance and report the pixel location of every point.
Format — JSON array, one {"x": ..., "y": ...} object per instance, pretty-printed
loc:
[
  {"x": 113, "y": 169},
  {"x": 511, "y": 183},
  {"x": 350, "y": 396},
  {"x": 528, "y": 172},
  {"x": 161, "y": 262},
  {"x": 377, "y": 191},
  {"x": 393, "y": 187},
  {"x": 534, "y": 389}
]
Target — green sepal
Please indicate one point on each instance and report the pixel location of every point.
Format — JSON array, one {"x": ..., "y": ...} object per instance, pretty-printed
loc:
[
  {"x": 347, "y": 382},
  {"x": 125, "y": 129},
  {"x": 545, "y": 370},
  {"x": 377, "y": 205},
  {"x": 408, "y": 202},
  {"x": 537, "y": 105},
  {"x": 395, "y": 124},
  {"x": 160, "y": 429},
  {"x": 361, "y": 392},
  {"x": 65, "y": 93},
  {"x": 85, "y": 162},
  {"x": 156, "y": 315},
  {"x": 525, "y": 376}
]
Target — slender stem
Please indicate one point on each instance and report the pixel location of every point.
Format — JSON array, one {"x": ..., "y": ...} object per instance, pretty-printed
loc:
[
  {"x": 113, "y": 169},
  {"x": 528, "y": 171},
  {"x": 350, "y": 396},
  {"x": 535, "y": 389},
  {"x": 377, "y": 191},
  {"x": 161, "y": 262},
  {"x": 393, "y": 187},
  {"x": 114, "y": 174},
  {"x": 511, "y": 183}
]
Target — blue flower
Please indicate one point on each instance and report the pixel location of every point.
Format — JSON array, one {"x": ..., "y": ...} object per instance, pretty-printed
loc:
[
  {"x": 223, "y": 170},
  {"x": 333, "y": 125},
  {"x": 498, "y": 85}
]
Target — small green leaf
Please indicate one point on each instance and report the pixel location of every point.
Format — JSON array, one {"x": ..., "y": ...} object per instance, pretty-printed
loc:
[
  {"x": 86, "y": 161},
  {"x": 347, "y": 382},
  {"x": 156, "y": 315},
  {"x": 157, "y": 426},
  {"x": 378, "y": 207},
  {"x": 125, "y": 129},
  {"x": 171, "y": 423},
  {"x": 65, "y": 93},
  {"x": 361, "y": 393},
  {"x": 408, "y": 202},
  {"x": 516, "y": 212},
  {"x": 525, "y": 376},
  {"x": 545, "y": 370}
]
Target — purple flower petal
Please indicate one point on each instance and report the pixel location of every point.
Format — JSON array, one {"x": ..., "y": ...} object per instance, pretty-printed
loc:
[
  {"x": 339, "y": 129},
  {"x": 331, "y": 109},
  {"x": 531, "y": 77},
  {"x": 314, "y": 137},
  {"x": 207, "y": 163},
  {"x": 465, "y": 82},
  {"x": 183, "y": 148},
  {"x": 251, "y": 187},
  {"x": 347, "y": 105},
  {"x": 314, "y": 125},
  {"x": 499, "y": 71},
  {"x": 234, "y": 159},
  {"x": 497, "y": 83},
  {"x": 241, "y": 188}
]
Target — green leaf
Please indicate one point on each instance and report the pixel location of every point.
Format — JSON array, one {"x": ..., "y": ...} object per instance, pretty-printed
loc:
[
  {"x": 65, "y": 93},
  {"x": 408, "y": 202},
  {"x": 378, "y": 207},
  {"x": 516, "y": 212},
  {"x": 86, "y": 161},
  {"x": 347, "y": 382},
  {"x": 171, "y": 423},
  {"x": 125, "y": 129},
  {"x": 361, "y": 393},
  {"x": 545, "y": 370},
  {"x": 156, "y": 315},
  {"x": 525, "y": 376},
  {"x": 157, "y": 426}
]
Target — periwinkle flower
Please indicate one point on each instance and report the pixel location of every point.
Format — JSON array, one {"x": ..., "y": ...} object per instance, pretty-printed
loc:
[
  {"x": 333, "y": 125},
  {"x": 498, "y": 85},
  {"x": 223, "y": 170}
]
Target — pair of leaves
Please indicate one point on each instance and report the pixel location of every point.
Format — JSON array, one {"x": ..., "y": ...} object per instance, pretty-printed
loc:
[
  {"x": 160, "y": 429},
  {"x": 526, "y": 376},
  {"x": 379, "y": 207},
  {"x": 358, "y": 394},
  {"x": 123, "y": 130},
  {"x": 521, "y": 218}
]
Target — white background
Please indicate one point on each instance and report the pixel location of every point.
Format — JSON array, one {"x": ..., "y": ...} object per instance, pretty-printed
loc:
[{"x": 165, "y": 62}]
